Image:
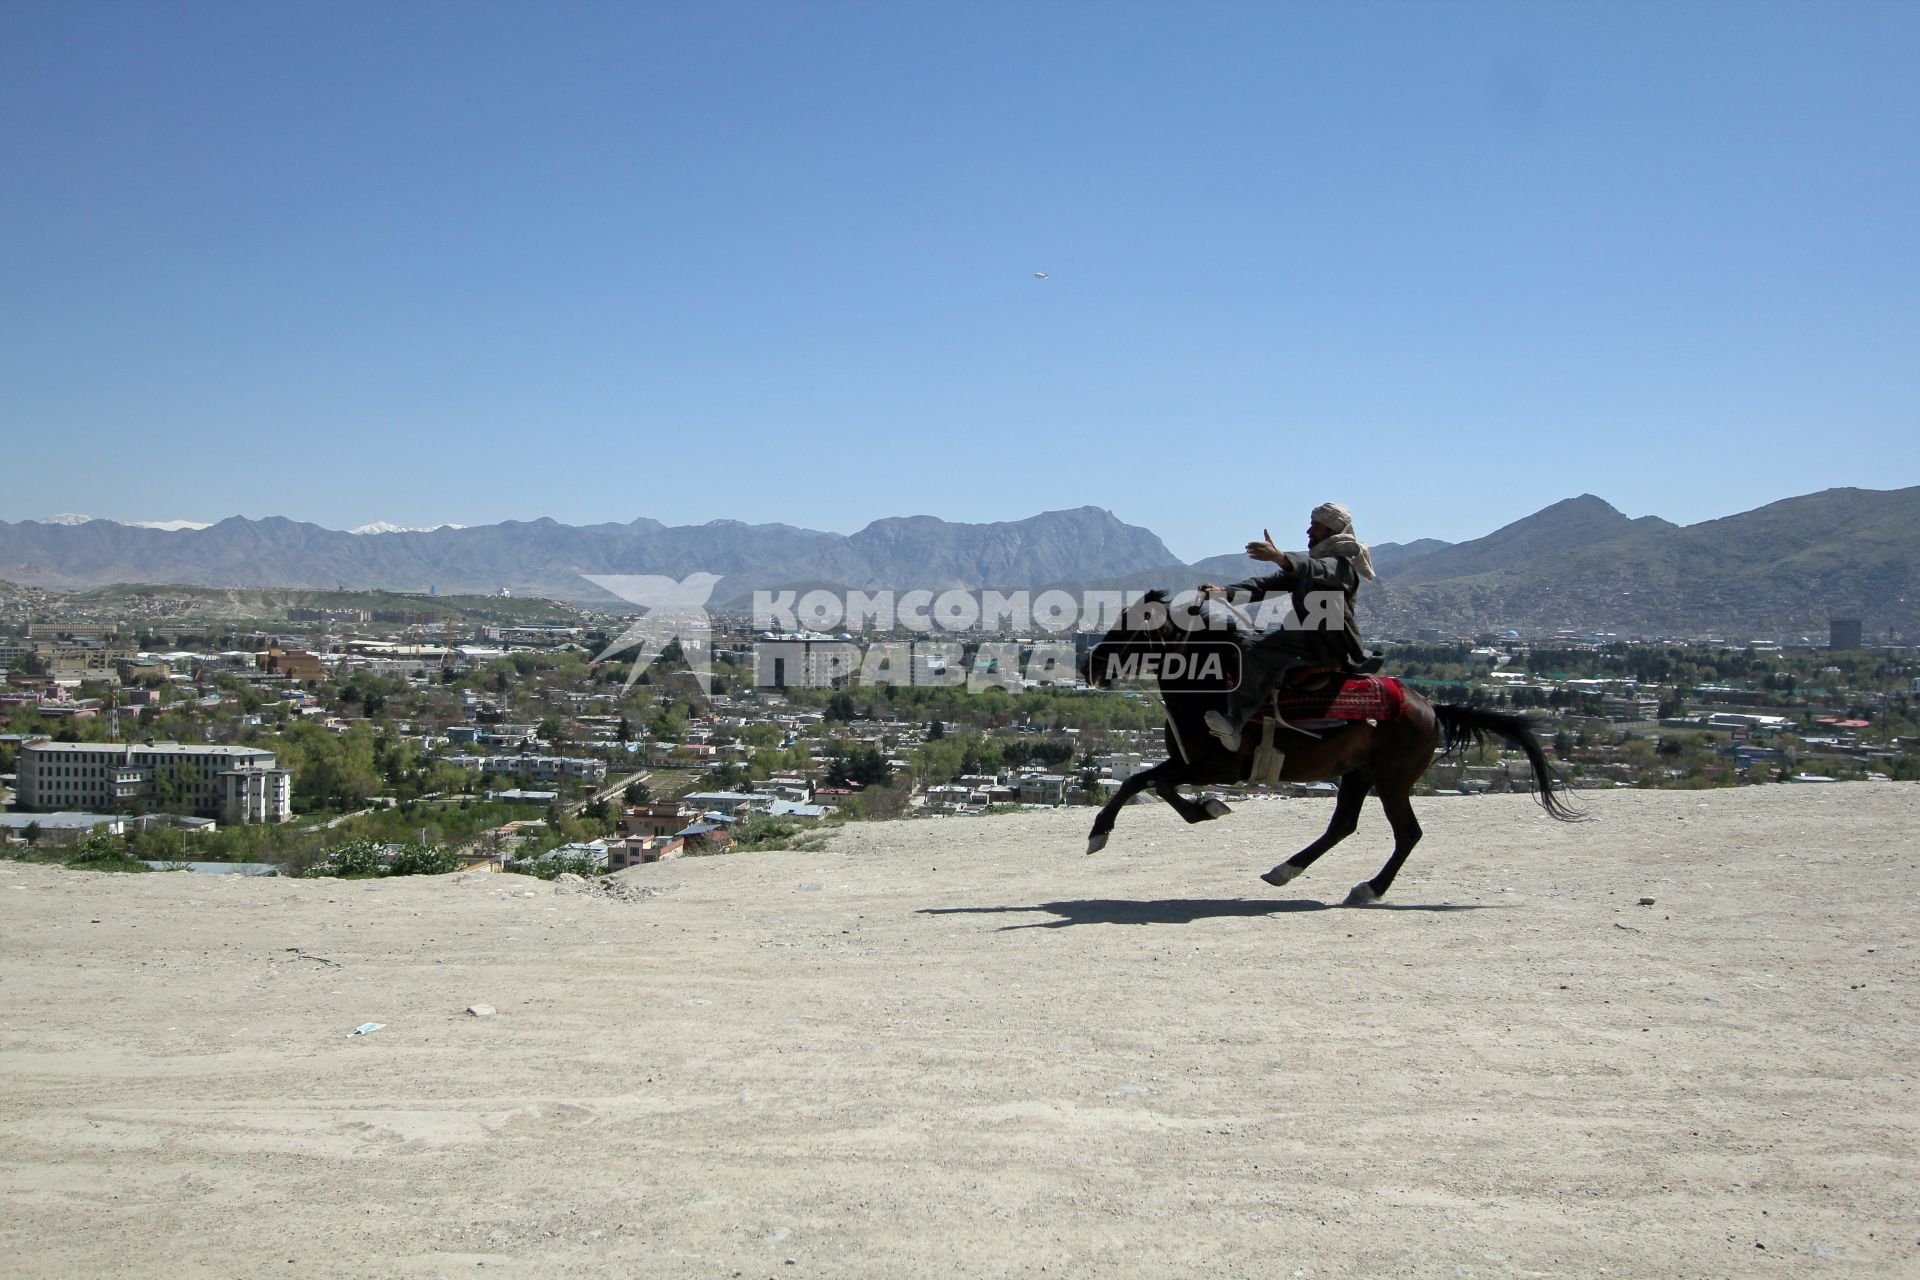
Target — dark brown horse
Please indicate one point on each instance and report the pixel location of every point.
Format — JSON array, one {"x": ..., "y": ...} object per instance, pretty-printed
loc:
[{"x": 1386, "y": 758}]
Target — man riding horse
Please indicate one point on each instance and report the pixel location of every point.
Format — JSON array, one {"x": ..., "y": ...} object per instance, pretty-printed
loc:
[
  {"x": 1317, "y": 631},
  {"x": 1380, "y": 747}
]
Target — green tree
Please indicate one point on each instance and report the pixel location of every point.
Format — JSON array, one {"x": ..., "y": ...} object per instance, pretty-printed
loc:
[
  {"x": 422, "y": 860},
  {"x": 98, "y": 851},
  {"x": 863, "y": 766},
  {"x": 353, "y": 860},
  {"x": 364, "y": 858},
  {"x": 726, "y": 777},
  {"x": 553, "y": 865}
]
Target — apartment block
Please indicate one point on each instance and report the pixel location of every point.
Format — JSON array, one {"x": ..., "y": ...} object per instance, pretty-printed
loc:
[{"x": 231, "y": 784}]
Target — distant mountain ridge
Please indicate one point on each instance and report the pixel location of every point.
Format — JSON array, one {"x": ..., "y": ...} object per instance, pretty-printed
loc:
[
  {"x": 1782, "y": 570},
  {"x": 1578, "y": 565},
  {"x": 545, "y": 557},
  {"x": 1565, "y": 526}
]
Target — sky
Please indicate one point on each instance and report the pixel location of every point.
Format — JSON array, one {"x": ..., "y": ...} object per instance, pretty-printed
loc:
[{"x": 779, "y": 262}]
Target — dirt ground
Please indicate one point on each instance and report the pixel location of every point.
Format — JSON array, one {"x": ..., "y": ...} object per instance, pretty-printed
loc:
[{"x": 961, "y": 1047}]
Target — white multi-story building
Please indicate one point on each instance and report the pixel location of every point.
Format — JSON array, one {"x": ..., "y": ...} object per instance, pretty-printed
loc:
[
  {"x": 532, "y": 768},
  {"x": 232, "y": 784},
  {"x": 798, "y": 663}
]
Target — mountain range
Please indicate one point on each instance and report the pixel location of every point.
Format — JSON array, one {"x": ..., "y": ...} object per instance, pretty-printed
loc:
[
  {"x": 545, "y": 557},
  {"x": 1782, "y": 570},
  {"x": 1578, "y": 565}
]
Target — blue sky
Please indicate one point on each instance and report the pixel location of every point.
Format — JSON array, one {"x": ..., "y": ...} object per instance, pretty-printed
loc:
[{"x": 1448, "y": 262}]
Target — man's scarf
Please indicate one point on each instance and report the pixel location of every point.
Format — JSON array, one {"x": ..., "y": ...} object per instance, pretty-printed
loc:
[
  {"x": 1340, "y": 543},
  {"x": 1344, "y": 546}
]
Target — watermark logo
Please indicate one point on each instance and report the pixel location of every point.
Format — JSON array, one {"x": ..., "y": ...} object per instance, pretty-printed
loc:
[
  {"x": 825, "y": 662},
  {"x": 1053, "y": 612},
  {"x": 676, "y": 614},
  {"x": 1198, "y": 666},
  {"x": 1102, "y": 637}
]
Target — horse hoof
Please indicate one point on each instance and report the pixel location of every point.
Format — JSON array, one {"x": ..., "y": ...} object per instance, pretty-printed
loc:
[
  {"x": 1096, "y": 843},
  {"x": 1216, "y": 807},
  {"x": 1281, "y": 874},
  {"x": 1362, "y": 895}
]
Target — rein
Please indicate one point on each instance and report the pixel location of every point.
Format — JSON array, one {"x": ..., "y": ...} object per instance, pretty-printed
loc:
[{"x": 1173, "y": 722}]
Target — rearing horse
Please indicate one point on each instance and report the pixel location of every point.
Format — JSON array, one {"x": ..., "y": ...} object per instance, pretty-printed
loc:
[{"x": 1387, "y": 757}]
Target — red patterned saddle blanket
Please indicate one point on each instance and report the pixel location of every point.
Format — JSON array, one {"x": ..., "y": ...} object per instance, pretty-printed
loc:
[{"x": 1349, "y": 698}]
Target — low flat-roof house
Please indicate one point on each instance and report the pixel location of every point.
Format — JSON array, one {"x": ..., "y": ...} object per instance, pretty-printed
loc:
[
  {"x": 638, "y": 850},
  {"x": 654, "y": 819},
  {"x": 793, "y": 809},
  {"x": 293, "y": 664},
  {"x": 728, "y": 802},
  {"x": 1043, "y": 788},
  {"x": 706, "y": 837},
  {"x": 58, "y": 828}
]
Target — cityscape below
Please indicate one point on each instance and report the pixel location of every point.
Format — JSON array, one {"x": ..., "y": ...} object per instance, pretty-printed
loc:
[{"x": 302, "y": 731}]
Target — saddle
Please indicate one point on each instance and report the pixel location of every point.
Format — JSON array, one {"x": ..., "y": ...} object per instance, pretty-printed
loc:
[
  {"x": 1334, "y": 694},
  {"x": 1313, "y": 678},
  {"x": 1316, "y": 702}
]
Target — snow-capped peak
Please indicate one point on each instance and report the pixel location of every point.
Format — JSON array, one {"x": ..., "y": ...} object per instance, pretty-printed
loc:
[
  {"x": 386, "y": 526},
  {"x": 70, "y": 518}
]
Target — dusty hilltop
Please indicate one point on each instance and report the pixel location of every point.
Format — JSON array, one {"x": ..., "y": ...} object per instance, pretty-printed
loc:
[{"x": 963, "y": 1048}]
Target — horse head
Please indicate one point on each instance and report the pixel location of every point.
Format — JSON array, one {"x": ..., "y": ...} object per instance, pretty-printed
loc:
[{"x": 1146, "y": 625}]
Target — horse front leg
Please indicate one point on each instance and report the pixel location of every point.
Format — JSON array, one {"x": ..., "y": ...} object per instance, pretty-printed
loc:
[
  {"x": 1166, "y": 772},
  {"x": 1192, "y": 810}
]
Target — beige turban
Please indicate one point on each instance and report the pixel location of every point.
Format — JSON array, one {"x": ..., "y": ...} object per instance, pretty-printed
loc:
[{"x": 1333, "y": 516}]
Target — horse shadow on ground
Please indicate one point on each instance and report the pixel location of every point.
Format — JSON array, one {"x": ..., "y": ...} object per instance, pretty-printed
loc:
[{"x": 1180, "y": 910}]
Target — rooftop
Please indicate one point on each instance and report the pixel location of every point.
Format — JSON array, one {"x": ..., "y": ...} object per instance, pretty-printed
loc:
[
  {"x": 152, "y": 748},
  {"x": 58, "y": 821}
]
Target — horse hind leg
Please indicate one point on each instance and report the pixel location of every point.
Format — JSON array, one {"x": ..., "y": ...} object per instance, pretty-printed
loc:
[
  {"x": 1346, "y": 816},
  {"x": 1398, "y": 806}
]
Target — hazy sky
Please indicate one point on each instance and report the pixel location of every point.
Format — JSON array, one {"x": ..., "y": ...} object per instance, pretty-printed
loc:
[{"x": 1448, "y": 262}]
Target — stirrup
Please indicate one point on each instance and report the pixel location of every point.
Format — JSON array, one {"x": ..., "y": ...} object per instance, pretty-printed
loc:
[{"x": 1269, "y": 762}]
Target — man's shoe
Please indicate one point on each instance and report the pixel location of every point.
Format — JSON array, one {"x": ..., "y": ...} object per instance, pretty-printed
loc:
[{"x": 1224, "y": 729}]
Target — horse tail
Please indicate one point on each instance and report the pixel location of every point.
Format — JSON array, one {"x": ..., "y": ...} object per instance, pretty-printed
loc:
[{"x": 1465, "y": 726}]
